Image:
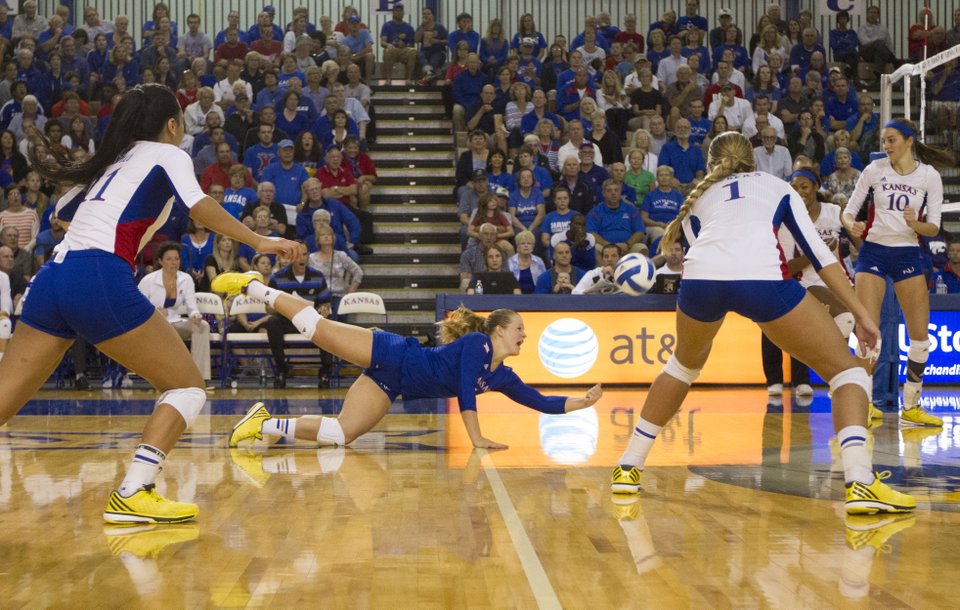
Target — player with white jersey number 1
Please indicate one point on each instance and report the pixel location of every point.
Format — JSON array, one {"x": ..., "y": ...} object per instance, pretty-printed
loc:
[
  {"x": 903, "y": 195},
  {"x": 734, "y": 264},
  {"x": 120, "y": 196}
]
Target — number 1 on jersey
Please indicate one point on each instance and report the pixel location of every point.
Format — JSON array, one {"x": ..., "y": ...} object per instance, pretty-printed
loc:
[
  {"x": 734, "y": 190},
  {"x": 107, "y": 179}
]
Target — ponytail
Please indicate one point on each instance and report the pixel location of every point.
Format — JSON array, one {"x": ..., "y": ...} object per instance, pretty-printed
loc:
[
  {"x": 141, "y": 114},
  {"x": 729, "y": 153},
  {"x": 940, "y": 158},
  {"x": 463, "y": 321}
]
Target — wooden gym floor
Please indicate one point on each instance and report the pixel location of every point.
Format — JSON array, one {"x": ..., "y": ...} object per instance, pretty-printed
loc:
[{"x": 740, "y": 508}]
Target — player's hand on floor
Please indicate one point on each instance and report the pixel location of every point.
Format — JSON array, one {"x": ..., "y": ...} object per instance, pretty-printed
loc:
[{"x": 486, "y": 443}]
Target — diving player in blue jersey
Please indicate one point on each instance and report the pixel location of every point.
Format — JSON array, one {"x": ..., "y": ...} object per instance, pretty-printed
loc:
[{"x": 469, "y": 363}]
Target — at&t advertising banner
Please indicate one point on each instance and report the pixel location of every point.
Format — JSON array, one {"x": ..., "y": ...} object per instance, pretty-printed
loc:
[{"x": 623, "y": 347}]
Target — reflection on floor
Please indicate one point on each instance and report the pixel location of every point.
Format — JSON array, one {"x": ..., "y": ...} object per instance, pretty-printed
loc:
[{"x": 740, "y": 507}]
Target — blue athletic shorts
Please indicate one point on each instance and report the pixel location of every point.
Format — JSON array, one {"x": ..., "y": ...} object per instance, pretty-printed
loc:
[
  {"x": 91, "y": 294},
  {"x": 758, "y": 300},
  {"x": 897, "y": 263},
  {"x": 386, "y": 361}
]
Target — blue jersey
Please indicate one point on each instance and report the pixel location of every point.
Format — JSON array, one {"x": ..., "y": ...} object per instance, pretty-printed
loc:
[{"x": 459, "y": 369}]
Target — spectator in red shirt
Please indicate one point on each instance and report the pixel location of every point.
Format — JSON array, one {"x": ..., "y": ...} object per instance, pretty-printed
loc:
[
  {"x": 269, "y": 48},
  {"x": 232, "y": 48},
  {"x": 362, "y": 167},
  {"x": 338, "y": 182},
  {"x": 219, "y": 172}
]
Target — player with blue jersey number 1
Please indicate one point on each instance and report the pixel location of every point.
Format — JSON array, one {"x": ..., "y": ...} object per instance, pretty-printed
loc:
[
  {"x": 469, "y": 363},
  {"x": 734, "y": 264},
  {"x": 904, "y": 195},
  {"x": 120, "y": 197}
]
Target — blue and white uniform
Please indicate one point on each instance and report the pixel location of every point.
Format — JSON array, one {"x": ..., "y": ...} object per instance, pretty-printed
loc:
[
  {"x": 828, "y": 225},
  {"x": 87, "y": 289},
  {"x": 735, "y": 262},
  {"x": 461, "y": 368},
  {"x": 891, "y": 248}
]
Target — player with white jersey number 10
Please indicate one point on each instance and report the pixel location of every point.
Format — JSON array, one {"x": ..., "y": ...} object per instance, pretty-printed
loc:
[{"x": 903, "y": 196}]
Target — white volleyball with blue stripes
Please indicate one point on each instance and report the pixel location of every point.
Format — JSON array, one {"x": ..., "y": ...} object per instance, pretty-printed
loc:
[
  {"x": 634, "y": 274},
  {"x": 568, "y": 347}
]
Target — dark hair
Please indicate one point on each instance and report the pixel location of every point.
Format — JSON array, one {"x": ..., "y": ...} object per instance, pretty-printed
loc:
[
  {"x": 166, "y": 247},
  {"x": 141, "y": 114},
  {"x": 10, "y": 187},
  {"x": 300, "y": 155}
]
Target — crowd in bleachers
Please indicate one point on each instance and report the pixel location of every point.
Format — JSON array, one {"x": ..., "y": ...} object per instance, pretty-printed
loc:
[
  {"x": 614, "y": 126},
  {"x": 277, "y": 120}
]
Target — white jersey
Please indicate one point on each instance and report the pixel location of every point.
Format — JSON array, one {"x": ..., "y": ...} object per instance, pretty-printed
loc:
[
  {"x": 887, "y": 193},
  {"x": 732, "y": 230},
  {"x": 121, "y": 211},
  {"x": 828, "y": 225}
]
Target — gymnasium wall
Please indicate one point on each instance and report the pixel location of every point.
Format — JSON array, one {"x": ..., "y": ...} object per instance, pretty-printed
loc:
[{"x": 549, "y": 20}]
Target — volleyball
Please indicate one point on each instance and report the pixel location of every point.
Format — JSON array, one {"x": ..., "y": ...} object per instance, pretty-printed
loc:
[{"x": 634, "y": 274}]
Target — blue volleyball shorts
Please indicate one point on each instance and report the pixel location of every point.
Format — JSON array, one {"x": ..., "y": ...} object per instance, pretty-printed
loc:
[
  {"x": 897, "y": 263},
  {"x": 90, "y": 294},
  {"x": 758, "y": 300}
]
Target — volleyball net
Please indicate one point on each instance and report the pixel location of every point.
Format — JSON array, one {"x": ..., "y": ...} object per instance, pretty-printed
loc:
[{"x": 928, "y": 92}]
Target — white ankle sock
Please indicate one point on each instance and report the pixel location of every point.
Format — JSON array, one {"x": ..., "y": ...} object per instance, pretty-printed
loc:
[
  {"x": 330, "y": 432},
  {"x": 147, "y": 462},
  {"x": 259, "y": 290},
  {"x": 276, "y": 426},
  {"x": 857, "y": 465},
  {"x": 640, "y": 444}
]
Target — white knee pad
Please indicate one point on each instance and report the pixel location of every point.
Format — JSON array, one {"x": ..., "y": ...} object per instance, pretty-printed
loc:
[
  {"x": 678, "y": 371},
  {"x": 187, "y": 401},
  {"x": 855, "y": 376},
  {"x": 306, "y": 321},
  {"x": 845, "y": 322},
  {"x": 6, "y": 328},
  {"x": 919, "y": 351}
]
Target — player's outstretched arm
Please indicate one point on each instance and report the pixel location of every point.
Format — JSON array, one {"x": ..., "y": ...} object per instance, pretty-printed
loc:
[
  {"x": 575, "y": 403},
  {"x": 472, "y": 423},
  {"x": 213, "y": 216}
]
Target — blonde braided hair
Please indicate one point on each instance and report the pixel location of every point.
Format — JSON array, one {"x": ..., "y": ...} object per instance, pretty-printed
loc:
[{"x": 730, "y": 153}]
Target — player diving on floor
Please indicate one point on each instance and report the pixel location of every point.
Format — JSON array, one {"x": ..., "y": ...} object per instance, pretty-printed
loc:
[{"x": 469, "y": 362}]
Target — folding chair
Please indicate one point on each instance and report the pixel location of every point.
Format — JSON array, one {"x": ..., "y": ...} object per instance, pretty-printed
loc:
[
  {"x": 245, "y": 341},
  {"x": 358, "y": 303},
  {"x": 213, "y": 310}
]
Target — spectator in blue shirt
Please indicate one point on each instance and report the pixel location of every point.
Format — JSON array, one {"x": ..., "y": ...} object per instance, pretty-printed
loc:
[
  {"x": 466, "y": 90},
  {"x": 661, "y": 204},
  {"x": 568, "y": 98},
  {"x": 526, "y": 204},
  {"x": 238, "y": 194},
  {"x": 692, "y": 19},
  {"x": 286, "y": 175},
  {"x": 528, "y": 29},
  {"x": 432, "y": 38},
  {"x": 616, "y": 222},
  {"x": 844, "y": 42},
  {"x": 556, "y": 222},
  {"x": 397, "y": 40},
  {"x": 681, "y": 155},
  {"x": 800, "y": 54},
  {"x": 261, "y": 154},
  {"x": 563, "y": 276},
  {"x": 842, "y": 105},
  {"x": 864, "y": 127},
  {"x": 343, "y": 221},
  {"x": 360, "y": 42},
  {"x": 465, "y": 32}
]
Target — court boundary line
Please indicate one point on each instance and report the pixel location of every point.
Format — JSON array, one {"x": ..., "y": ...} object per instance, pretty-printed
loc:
[{"x": 537, "y": 578}]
